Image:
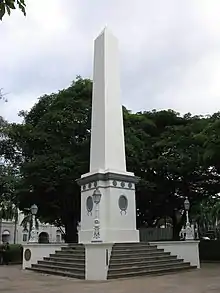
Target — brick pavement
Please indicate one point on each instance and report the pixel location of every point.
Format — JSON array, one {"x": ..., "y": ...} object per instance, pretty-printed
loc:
[{"x": 205, "y": 280}]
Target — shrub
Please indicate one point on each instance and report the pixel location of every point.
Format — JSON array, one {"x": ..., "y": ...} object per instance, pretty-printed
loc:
[
  {"x": 15, "y": 253},
  {"x": 209, "y": 250}
]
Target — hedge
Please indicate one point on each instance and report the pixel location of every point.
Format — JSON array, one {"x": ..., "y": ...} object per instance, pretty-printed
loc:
[
  {"x": 209, "y": 250},
  {"x": 15, "y": 253}
]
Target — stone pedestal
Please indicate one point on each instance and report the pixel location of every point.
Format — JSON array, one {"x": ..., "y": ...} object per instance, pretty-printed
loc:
[
  {"x": 117, "y": 209},
  {"x": 33, "y": 252},
  {"x": 186, "y": 250},
  {"x": 97, "y": 261}
]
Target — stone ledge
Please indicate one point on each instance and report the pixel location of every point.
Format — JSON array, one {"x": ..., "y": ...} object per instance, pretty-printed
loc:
[{"x": 106, "y": 177}]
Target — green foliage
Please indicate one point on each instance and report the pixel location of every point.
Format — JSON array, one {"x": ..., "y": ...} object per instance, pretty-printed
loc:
[
  {"x": 209, "y": 250},
  {"x": 207, "y": 214},
  {"x": 166, "y": 151},
  {"x": 2, "y": 96},
  {"x": 169, "y": 153},
  {"x": 15, "y": 253},
  {"x": 8, "y": 176},
  {"x": 54, "y": 141},
  {"x": 8, "y": 5},
  {"x": 212, "y": 142}
]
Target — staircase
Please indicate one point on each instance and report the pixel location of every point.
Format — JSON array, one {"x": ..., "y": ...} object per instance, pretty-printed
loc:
[
  {"x": 127, "y": 260},
  {"x": 68, "y": 262},
  {"x": 137, "y": 259}
]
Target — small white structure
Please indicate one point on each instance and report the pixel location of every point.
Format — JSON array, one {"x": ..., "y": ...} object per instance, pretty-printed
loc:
[
  {"x": 187, "y": 250},
  {"x": 33, "y": 252},
  {"x": 13, "y": 232}
]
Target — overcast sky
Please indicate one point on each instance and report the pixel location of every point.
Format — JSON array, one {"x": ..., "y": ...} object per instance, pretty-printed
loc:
[{"x": 169, "y": 50}]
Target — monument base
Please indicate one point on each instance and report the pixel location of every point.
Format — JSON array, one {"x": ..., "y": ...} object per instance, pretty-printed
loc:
[
  {"x": 33, "y": 252},
  {"x": 110, "y": 236},
  {"x": 97, "y": 261},
  {"x": 186, "y": 250}
]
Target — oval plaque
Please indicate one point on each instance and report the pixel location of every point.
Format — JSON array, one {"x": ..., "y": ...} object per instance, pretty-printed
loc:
[
  {"x": 89, "y": 204},
  {"x": 27, "y": 254},
  {"x": 123, "y": 203}
]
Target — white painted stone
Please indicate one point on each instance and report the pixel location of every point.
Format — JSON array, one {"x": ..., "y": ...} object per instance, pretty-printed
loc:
[
  {"x": 186, "y": 250},
  {"x": 107, "y": 152},
  {"x": 115, "y": 226},
  {"x": 39, "y": 251},
  {"x": 107, "y": 140},
  {"x": 97, "y": 261}
]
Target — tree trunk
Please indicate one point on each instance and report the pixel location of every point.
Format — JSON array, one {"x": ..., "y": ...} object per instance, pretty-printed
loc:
[
  {"x": 0, "y": 231},
  {"x": 175, "y": 229},
  {"x": 177, "y": 226},
  {"x": 15, "y": 230},
  {"x": 71, "y": 235}
]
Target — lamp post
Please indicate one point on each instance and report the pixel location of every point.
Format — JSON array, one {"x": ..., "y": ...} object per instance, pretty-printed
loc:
[
  {"x": 187, "y": 207},
  {"x": 189, "y": 231},
  {"x": 96, "y": 199},
  {"x": 33, "y": 236}
]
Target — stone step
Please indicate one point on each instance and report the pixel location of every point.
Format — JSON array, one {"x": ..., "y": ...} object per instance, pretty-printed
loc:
[
  {"x": 131, "y": 244},
  {"x": 75, "y": 245},
  {"x": 58, "y": 273},
  {"x": 141, "y": 247},
  {"x": 70, "y": 251},
  {"x": 145, "y": 258},
  {"x": 145, "y": 246},
  {"x": 67, "y": 254},
  {"x": 73, "y": 248},
  {"x": 61, "y": 263},
  {"x": 59, "y": 268},
  {"x": 65, "y": 259},
  {"x": 139, "y": 255},
  {"x": 145, "y": 263},
  {"x": 136, "y": 250},
  {"x": 158, "y": 271},
  {"x": 140, "y": 267}
]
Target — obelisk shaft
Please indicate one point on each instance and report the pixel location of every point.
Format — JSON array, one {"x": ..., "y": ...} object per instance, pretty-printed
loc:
[{"x": 107, "y": 150}]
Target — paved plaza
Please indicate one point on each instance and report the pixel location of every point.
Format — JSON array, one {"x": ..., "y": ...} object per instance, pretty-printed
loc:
[{"x": 205, "y": 280}]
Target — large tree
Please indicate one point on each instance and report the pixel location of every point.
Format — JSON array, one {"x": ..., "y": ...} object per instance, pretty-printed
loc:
[
  {"x": 54, "y": 140},
  {"x": 167, "y": 154},
  {"x": 164, "y": 149},
  {"x": 212, "y": 142}
]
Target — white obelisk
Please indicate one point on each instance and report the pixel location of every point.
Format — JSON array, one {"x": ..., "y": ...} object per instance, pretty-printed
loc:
[
  {"x": 107, "y": 137},
  {"x": 113, "y": 219}
]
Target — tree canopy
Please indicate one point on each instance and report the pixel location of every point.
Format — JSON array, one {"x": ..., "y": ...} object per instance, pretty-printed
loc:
[{"x": 175, "y": 156}]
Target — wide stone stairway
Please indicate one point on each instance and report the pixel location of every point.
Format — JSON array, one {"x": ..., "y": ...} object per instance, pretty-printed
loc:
[
  {"x": 127, "y": 260},
  {"x": 138, "y": 259},
  {"x": 68, "y": 262}
]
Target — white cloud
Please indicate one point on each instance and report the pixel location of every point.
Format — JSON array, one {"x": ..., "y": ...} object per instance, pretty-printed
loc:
[{"x": 170, "y": 51}]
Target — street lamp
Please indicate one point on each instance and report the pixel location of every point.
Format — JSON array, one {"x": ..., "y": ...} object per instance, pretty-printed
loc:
[
  {"x": 96, "y": 196},
  {"x": 34, "y": 209},
  {"x": 187, "y": 207},
  {"x": 33, "y": 236},
  {"x": 96, "y": 199},
  {"x": 189, "y": 230}
]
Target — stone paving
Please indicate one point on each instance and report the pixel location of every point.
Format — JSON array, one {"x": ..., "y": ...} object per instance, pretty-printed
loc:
[{"x": 205, "y": 280}]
